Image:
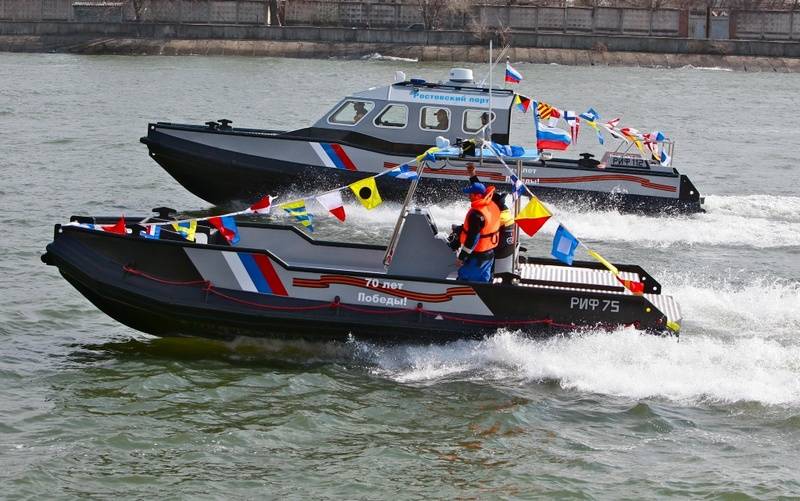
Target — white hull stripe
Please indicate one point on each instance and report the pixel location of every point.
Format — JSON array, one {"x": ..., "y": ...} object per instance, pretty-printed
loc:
[
  {"x": 239, "y": 271},
  {"x": 323, "y": 156}
]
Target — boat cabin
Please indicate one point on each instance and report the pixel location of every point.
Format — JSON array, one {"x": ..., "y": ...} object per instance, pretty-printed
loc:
[{"x": 417, "y": 112}]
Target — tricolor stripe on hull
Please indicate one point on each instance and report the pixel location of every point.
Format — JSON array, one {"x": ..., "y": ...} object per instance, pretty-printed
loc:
[
  {"x": 333, "y": 155},
  {"x": 254, "y": 273}
]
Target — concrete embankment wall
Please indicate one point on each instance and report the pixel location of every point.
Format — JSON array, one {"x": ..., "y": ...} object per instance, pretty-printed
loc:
[{"x": 298, "y": 41}]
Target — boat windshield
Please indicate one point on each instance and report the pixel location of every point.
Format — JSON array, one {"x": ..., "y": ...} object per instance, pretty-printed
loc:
[{"x": 351, "y": 112}]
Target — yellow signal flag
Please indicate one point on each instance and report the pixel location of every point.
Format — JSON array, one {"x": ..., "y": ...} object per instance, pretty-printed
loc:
[
  {"x": 532, "y": 217},
  {"x": 613, "y": 269},
  {"x": 186, "y": 228},
  {"x": 366, "y": 191}
]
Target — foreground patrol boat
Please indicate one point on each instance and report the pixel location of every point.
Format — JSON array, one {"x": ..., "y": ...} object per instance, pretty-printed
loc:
[
  {"x": 278, "y": 282},
  {"x": 385, "y": 126}
]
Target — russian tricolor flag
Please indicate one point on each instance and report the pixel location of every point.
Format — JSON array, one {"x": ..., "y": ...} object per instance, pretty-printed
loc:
[
  {"x": 549, "y": 138},
  {"x": 512, "y": 75}
]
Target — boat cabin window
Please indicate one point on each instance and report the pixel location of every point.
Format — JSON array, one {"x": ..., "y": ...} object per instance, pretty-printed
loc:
[
  {"x": 434, "y": 118},
  {"x": 474, "y": 120},
  {"x": 351, "y": 112},
  {"x": 393, "y": 115}
]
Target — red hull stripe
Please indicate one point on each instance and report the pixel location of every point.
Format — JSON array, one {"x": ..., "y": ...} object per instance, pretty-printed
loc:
[
  {"x": 339, "y": 151},
  {"x": 642, "y": 181},
  {"x": 494, "y": 176},
  {"x": 272, "y": 278}
]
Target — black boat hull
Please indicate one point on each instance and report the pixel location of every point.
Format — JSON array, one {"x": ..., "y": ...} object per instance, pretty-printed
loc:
[
  {"x": 153, "y": 287},
  {"x": 219, "y": 176}
]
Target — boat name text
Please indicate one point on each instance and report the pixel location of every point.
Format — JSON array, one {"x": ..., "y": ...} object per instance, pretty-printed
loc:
[
  {"x": 624, "y": 160},
  {"x": 375, "y": 283},
  {"x": 450, "y": 98},
  {"x": 585, "y": 303},
  {"x": 376, "y": 298}
]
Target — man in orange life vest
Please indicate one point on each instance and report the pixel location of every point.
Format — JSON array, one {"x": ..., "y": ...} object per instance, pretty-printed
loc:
[{"x": 479, "y": 235}]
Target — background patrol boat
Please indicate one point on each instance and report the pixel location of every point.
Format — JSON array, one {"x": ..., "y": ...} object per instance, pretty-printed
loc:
[{"x": 385, "y": 126}]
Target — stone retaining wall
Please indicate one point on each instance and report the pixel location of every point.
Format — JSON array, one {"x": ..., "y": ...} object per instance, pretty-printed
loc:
[
  {"x": 389, "y": 37},
  {"x": 359, "y": 50}
]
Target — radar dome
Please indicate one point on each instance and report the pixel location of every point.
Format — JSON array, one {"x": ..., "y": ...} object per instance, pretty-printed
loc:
[{"x": 461, "y": 75}]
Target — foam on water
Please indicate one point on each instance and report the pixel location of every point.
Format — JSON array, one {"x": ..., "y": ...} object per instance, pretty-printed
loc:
[
  {"x": 767, "y": 206},
  {"x": 622, "y": 363},
  {"x": 765, "y": 306},
  {"x": 740, "y": 344},
  {"x": 704, "y": 68},
  {"x": 757, "y": 221},
  {"x": 377, "y": 56}
]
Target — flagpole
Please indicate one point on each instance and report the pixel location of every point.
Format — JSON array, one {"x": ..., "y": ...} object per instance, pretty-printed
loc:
[
  {"x": 387, "y": 257},
  {"x": 491, "y": 78},
  {"x": 517, "y": 203},
  {"x": 504, "y": 80}
]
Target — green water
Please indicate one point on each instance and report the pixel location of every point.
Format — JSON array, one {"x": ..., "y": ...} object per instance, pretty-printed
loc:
[{"x": 92, "y": 409}]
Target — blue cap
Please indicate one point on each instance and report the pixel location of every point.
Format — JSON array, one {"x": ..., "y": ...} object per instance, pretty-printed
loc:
[{"x": 477, "y": 188}]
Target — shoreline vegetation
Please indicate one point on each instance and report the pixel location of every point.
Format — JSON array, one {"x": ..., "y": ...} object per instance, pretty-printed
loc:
[{"x": 121, "y": 45}]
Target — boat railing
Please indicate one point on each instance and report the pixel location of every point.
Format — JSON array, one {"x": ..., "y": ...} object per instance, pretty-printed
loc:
[{"x": 456, "y": 88}]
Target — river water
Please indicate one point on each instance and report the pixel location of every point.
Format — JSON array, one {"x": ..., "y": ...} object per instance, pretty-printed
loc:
[{"x": 89, "y": 407}]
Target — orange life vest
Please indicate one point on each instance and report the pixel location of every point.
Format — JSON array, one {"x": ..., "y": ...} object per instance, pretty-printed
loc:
[{"x": 490, "y": 233}]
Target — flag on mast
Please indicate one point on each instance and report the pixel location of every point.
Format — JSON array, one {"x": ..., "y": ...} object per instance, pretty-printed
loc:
[{"x": 512, "y": 75}]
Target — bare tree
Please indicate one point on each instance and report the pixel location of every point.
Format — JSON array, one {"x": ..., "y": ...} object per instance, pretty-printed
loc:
[
  {"x": 431, "y": 11},
  {"x": 139, "y": 8}
]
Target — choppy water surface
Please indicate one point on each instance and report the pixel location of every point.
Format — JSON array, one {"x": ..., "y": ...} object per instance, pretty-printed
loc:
[{"x": 88, "y": 406}]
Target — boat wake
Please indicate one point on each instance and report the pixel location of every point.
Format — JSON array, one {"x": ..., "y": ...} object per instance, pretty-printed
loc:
[
  {"x": 756, "y": 221},
  {"x": 740, "y": 345},
  {"x": 696, "y": 369},
  {"x": 737, "y": 306}
]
